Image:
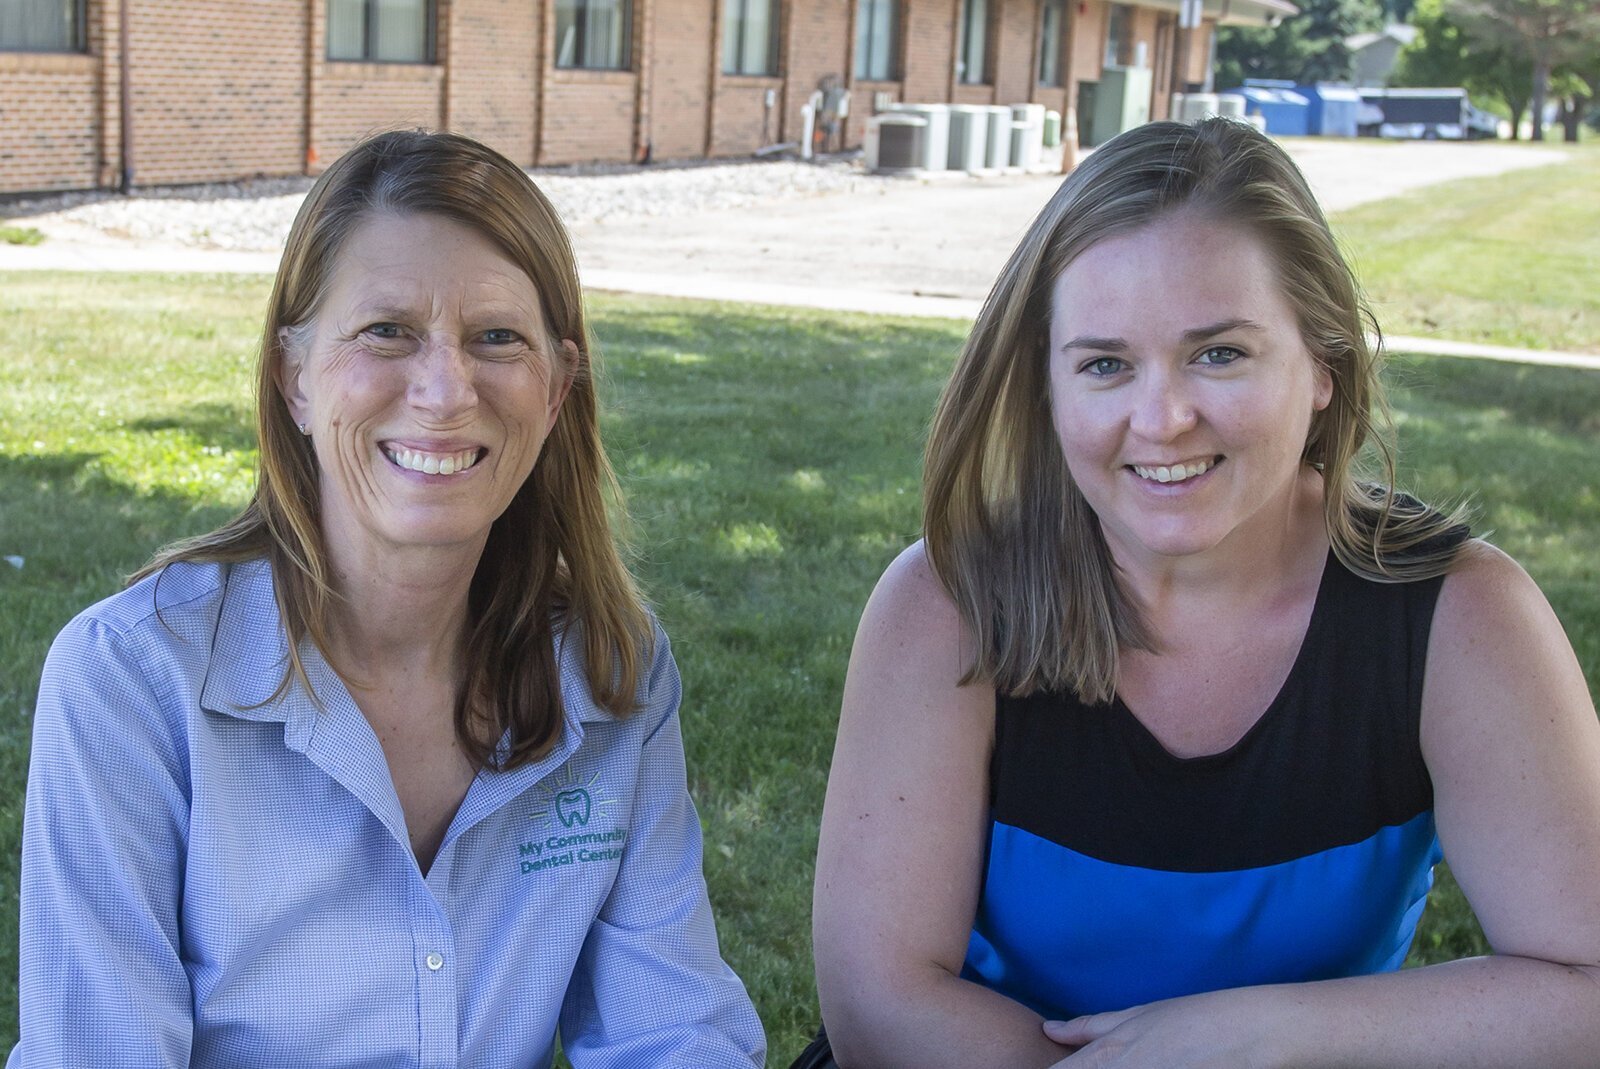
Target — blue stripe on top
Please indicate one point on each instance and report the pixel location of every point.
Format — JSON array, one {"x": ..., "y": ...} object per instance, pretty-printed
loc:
[{"x": 1100, "y": 936}]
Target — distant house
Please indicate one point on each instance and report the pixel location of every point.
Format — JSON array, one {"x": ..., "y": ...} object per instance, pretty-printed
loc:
[
  {"x": 95, "y": 92},
  {"x": 1375, "y": 54}
]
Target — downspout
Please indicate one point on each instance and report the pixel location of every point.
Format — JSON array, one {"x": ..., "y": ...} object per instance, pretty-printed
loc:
[{"x": 125, "y": 154}]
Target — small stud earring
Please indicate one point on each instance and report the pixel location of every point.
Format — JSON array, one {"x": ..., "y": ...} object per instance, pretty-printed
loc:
[{"x": 304, "y": 429}]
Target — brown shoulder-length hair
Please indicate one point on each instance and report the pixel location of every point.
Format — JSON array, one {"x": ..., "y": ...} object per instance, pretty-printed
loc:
[
  {"x": 1008, "y": 532},
  {"x": 552, "y": 560}
]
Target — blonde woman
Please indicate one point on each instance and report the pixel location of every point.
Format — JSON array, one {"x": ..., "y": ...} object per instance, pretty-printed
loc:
[
  {"x": 386, "y": 771},
  {"x": 1149, "y": 748}
]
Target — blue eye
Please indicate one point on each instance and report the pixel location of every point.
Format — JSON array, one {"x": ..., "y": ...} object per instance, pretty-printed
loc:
[
  {"x": 1103, "y": 366},
  {"x": 501, "y": 336},
  {"x": 387, "y": 331},
  {"x": 1219, "y": 355}
]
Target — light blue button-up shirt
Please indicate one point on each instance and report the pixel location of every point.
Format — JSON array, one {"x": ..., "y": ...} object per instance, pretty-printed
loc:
[{"x": 212, "y": 878}]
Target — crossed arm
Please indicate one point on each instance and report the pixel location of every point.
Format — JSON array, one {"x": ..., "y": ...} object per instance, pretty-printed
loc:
[{"x": 1513, "y": 747}]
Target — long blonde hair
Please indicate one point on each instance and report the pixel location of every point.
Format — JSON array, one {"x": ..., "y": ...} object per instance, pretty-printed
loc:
[
  {"x": 1008, "y": 532},
  {"x": 551, "y": 560}
]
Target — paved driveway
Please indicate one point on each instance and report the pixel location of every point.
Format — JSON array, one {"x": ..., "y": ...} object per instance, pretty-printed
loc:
[{"x": 923, "y": 244}]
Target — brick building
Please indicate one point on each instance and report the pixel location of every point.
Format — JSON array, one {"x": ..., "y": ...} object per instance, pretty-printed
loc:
[{"x": 222, "y": 89}]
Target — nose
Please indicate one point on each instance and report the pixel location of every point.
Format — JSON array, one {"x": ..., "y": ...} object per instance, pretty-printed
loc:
[
  {"x": 442, "y": 383},
  {"x": 1163, "y": 408}
]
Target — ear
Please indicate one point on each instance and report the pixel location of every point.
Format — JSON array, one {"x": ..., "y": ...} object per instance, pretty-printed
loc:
[
  {"x": 1321, "y": 386},
  {"x": 287, "y": 372},
  {"x": 566, "y": 371}
]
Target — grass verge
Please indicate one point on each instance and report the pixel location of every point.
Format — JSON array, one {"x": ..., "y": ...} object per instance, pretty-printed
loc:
[
  {"x": 21, "y": 235},
  {"x": 1505, "y": 260}
]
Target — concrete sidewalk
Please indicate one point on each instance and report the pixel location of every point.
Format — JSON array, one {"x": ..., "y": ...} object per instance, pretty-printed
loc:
[{"x": 63, "y": 256}]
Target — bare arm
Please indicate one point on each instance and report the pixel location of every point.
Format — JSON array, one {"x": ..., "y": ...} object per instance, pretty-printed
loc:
[
  {"x": 1511, "y": 741},
  {"x": 900, "y": 859}
]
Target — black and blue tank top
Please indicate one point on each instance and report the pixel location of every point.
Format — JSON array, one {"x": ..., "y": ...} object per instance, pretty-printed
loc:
[{"x": 1118, "y": 874}]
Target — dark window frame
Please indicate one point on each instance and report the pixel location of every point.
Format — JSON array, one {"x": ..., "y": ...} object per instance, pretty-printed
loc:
[
  {"x": 369, "y": 24},
  {"x": 775, "y": 22},
  {"x": 582, "y": 39},
  {"x": 964, "y": 39},
  {"x": 80, "y": 33},
  {"x": 896, "y": 15},
  {"x": 1058, "y": 40}
]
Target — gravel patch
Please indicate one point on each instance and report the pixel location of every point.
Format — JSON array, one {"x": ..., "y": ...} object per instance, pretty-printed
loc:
[{"x": 256, "y": 215}]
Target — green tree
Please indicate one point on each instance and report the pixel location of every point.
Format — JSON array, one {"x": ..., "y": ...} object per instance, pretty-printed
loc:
[
  {"x": 1547, "y": 32},
  {"x": 1308, "y": 47},
  {"x": 1442, "y": 55}
]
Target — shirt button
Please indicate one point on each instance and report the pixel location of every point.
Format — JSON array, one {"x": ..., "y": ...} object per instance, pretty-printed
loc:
[{"x": 435, "y": 961}]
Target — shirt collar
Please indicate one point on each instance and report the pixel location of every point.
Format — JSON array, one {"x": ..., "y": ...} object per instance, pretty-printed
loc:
[{"x": 250, "y": 655}]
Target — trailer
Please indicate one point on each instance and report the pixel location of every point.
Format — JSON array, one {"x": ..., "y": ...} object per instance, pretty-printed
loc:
[{"x": 1425, "y": 114}]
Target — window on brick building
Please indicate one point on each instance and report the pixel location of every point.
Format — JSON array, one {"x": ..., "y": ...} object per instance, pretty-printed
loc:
[
  {"x": 594, "y": 34},
  {"x": 381, "y": 31},
  {"x": 972, "y": 43},
  {"x": 1119, "y": 36},
  {"x": 749, "y": 36},
  {"x": 41, "y": 25},
  {"x": 1052, "y": 17},
  {"x": 876, "y": 39}
]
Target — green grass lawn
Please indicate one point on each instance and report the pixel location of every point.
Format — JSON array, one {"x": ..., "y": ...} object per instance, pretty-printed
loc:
[
  {"x": 1507, "y": 260},
  {"x": 771, "y": 462}
]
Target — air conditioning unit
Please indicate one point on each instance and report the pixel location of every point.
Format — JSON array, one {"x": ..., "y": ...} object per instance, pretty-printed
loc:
[{"x": 895, "y": 142}]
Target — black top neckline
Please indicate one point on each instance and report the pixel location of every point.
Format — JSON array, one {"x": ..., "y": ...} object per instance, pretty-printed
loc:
[{"x": 1154, "y": 749}]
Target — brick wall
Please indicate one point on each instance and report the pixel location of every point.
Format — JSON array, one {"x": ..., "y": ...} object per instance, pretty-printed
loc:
[
  {"x": 818, "y": 45},
  {"x": 862, "y": 97},
  {"x": 48, "y": 130},
  {"x": 351, "y": 101},
  {"x": 230, "y": 88},
  {"x": 1200, "y": 52},
  {"x": 1015, "y": 28},
  {"x": 741, "y": 121},
  {"x": 217, "y": 89},
  {"x": 356, "y": 100},
  {"x": 1088, "y": 40},
  {"x": 680, "y": 78},
  {"x": 930, "y": 48},
  {"x": 588, "y": 115},
  {"x": 491, "y": 72}
]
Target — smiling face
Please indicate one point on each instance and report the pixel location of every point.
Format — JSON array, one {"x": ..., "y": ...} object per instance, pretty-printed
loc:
[
  {"x": 1181, "y": 389},
  {"x": 427, "y": 381}
]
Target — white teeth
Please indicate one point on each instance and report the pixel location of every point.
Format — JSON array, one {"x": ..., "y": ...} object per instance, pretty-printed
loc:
[
  {"x": 433, "y": 463},
  {"x": 1176, "y": 473}
]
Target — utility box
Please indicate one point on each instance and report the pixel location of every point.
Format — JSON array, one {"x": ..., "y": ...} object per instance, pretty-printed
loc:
[
  {"x": 969, "y": 137},
  {"x": 895, "y": 142},
  {"x": 1121, "y": 102},
  {"x": 936, "y": 138},
  {"x": 1194, "y": 107},
  {"x": 1052, "y": 129},
  {"x": 1027, "y": 135},
  {"x": 998, "y": 152}
]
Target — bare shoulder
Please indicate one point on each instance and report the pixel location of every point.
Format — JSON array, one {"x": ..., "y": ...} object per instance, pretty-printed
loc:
[
  {"x": 1492, "y": 617},
  {"x": 912, "y": 625}
]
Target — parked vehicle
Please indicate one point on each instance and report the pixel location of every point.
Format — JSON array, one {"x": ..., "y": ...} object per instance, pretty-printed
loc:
[{"x": 1424, "y": 114}]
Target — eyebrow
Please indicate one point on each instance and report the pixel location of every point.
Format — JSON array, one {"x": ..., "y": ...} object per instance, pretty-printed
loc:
[{"x": 1189, "y": 337}]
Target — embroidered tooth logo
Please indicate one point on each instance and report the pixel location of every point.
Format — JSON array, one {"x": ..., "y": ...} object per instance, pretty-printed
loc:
[{"x": 572, "y": 807}]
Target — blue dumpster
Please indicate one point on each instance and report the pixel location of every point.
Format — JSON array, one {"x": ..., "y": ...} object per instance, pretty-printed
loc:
[
  {"x": 1286, "y": 112},
  {"x": 1334, "y": 109}
]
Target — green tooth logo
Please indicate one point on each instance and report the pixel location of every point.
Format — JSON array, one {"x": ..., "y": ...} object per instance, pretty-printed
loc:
[
  {"x": 572, "y": 807},
  {"x": 570, "y": 801}
]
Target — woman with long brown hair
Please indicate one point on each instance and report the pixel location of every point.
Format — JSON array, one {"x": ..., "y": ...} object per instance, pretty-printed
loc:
[
  {"x": 1148, "y": 750},
  {"x": 387, "y": 770}
]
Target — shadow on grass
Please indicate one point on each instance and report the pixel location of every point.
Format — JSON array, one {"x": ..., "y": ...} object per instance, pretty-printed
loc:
[
  {"x": 230, "y": 428},
  {"x": 79, "y": 534},
  {"x": 1560, "y": 400}
]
